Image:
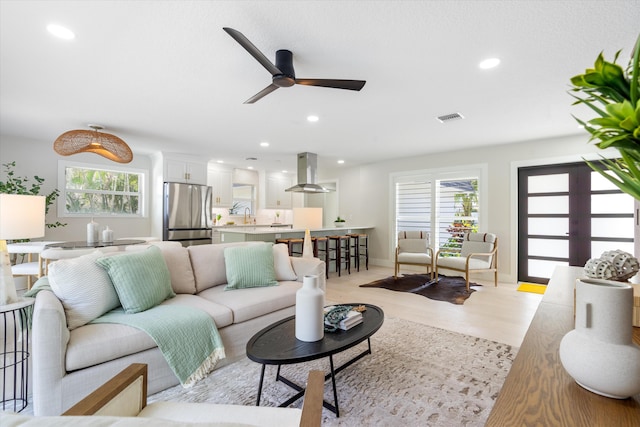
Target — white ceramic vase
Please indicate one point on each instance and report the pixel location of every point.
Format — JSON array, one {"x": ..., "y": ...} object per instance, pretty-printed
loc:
[
  {"x": 599, "y": 353},
  {"x": 309, "y": 322}
]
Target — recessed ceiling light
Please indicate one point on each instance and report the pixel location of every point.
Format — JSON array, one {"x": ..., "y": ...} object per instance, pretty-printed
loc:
[
  {"x": 60, "y": 31},
  {"x": 489, "y": 63},
  {"x": 249, "y": 167},
  {"x": 284, "y": 171},
  {"x": 264, "y": 144},
  {"x": 312, "y": 118},
  {"x": 220, "y": 161},
  {"x": 340, "y": 162}
]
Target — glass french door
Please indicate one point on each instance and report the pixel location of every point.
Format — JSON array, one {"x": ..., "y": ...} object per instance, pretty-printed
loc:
[{"x": 567, "y": 214}]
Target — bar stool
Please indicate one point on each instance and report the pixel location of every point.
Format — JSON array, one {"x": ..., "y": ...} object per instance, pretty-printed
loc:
[
  {"x": 339, "y": 252},
  {"x": 359, "y": 247},
  {"x": 321, "y": 247},
  {"x": 292, "y": 243}
]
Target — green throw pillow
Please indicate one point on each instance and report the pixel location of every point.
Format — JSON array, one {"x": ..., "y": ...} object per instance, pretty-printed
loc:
[
  {"x": 249, "y": 266},
  {"x": 141, "y": 279}
]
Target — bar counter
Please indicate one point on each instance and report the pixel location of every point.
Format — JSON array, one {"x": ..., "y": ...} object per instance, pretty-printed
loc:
[{"x": 270, "y": 234}]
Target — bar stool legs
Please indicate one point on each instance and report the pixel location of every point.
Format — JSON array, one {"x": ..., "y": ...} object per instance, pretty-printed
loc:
[
  {"x": 321, "y": 251},
  {"x": 340, "y": 252},
  {"x": 359, "y": 247}
]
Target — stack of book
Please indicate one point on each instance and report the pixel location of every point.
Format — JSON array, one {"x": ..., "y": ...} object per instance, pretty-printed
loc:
[{"x": 353, "y": 318}]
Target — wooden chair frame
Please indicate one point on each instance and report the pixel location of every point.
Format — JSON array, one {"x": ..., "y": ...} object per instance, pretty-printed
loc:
[
  {"x": 114, "y": 388},
  {"x": 493, "y": 266}
]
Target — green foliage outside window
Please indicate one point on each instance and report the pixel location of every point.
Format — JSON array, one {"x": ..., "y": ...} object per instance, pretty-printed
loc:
[{"x": 107, "y": 192}]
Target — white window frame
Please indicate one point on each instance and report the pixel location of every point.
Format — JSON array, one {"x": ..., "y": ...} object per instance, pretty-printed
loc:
[
  {"x": 433, "y": 176},
  {"x": 143, "y": 187}
]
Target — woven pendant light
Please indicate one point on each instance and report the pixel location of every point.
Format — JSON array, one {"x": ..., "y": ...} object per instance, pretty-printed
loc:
[{"x": 92, "y": 141}]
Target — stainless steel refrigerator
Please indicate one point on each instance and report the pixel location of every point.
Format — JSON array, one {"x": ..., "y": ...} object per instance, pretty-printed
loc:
[{"x": 187, "y": 213}]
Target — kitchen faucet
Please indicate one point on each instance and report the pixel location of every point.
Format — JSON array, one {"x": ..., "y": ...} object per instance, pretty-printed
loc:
[{"x": 245, "y": 214}]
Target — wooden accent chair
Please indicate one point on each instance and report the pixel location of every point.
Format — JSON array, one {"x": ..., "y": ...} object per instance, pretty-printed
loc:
[
  {"x": 413, "y": 249},
  {"x": 479, "y": 253},
  {"x": 125, "y": 395}
]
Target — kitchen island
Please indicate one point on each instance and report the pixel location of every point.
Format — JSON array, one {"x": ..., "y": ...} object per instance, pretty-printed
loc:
[{"x": 270, "y": 234}]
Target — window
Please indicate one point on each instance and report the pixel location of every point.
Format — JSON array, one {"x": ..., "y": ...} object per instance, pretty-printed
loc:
[
  {"x": 445, "y": 204},
  {"x": 243, "y": 198},
  {"x": 88, "y": 190}
]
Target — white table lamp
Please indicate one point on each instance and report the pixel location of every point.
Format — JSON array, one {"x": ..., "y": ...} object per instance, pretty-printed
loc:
[{"x": 21, "y": 217}]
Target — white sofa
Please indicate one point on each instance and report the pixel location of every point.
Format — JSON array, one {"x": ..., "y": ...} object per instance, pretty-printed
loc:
[{"x": 69, "y": 363}]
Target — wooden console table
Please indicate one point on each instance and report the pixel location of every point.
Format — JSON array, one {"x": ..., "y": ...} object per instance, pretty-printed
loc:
[{"x": 538, "y": 391}]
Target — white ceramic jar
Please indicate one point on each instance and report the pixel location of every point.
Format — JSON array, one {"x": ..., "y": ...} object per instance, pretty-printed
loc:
[{"x": 599, "y": 353}]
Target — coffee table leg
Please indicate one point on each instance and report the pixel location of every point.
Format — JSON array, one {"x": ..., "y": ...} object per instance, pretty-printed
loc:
[
  {"x": 260, "y": 385},
  {"x": 333, "y": 383}
]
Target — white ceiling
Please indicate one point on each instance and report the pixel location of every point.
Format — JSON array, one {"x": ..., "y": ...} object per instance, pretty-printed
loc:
[{"x": 163, "y": 75}]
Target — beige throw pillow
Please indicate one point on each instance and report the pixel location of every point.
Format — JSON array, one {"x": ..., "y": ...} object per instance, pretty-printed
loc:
[
  {"x": 282, "y": 263},
  {"x": 83, "y": 287}
]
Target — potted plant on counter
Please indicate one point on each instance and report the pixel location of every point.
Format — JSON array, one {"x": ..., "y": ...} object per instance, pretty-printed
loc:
[{"x": 339, "y": 222}]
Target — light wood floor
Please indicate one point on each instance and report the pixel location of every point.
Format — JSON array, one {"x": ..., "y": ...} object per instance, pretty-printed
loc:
[{"x": 499, "y": 314}]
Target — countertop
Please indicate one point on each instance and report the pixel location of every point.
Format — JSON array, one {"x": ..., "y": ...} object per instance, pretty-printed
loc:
[{"x": 281, "y": 230}]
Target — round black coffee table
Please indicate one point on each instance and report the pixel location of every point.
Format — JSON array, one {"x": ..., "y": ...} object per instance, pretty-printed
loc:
[{"x": 277, "y": 345}]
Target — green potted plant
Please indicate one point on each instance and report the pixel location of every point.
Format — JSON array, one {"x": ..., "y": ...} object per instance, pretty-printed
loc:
[
  {"x": 339, "y": 222},
  {"x": 614, "y": 94}
]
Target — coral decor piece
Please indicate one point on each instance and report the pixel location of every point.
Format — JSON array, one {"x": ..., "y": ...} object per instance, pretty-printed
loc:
[{"x": 612, "y": 265}]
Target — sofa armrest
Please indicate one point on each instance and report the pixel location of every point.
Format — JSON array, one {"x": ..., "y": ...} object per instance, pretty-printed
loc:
[
  {"x": 50, "y": 338},
  {"x": 124, "y": 395},
  {"x": 313, "y": 400},
  {"x": 310, "y": 266}
]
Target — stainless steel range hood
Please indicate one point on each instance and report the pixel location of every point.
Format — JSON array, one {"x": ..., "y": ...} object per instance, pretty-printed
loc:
[{"x": 307, "y": 175}]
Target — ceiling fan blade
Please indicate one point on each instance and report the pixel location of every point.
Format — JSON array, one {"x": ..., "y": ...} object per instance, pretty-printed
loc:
[
  {"x": 264, "y": 92},
  {"x": 333, "y": 83},
  {"x": 253, "y": 50}
]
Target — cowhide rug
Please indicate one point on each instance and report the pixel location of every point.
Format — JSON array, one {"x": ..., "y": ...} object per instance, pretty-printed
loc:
[{"x": 450, "y": 289}]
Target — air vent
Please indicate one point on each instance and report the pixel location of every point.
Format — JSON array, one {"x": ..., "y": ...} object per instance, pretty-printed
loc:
[
  {"x": 450, "y": 117},
  {"x": 251, "y": 158}
]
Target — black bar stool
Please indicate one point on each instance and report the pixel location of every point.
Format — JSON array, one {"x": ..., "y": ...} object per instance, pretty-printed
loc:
[
  {"x": 321, "y": 250},
  {"x": 359, "y": 247},
  {"x": 340, "y": 253}
]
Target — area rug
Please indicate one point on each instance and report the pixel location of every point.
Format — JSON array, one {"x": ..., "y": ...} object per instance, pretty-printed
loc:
[
  {"x": 417, "y": 376},
  {"x": 532, "y": 288},
  {"x": 450, "y": 289}
]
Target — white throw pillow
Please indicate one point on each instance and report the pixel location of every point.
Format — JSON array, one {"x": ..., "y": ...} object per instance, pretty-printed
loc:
[
  {"x": 282, "y": 263},
  {"x": 83, "y": 287}
]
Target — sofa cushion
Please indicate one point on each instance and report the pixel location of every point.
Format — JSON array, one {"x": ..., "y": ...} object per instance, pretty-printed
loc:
[
  {"x": 83, "y": 287},
  {"x": 282, "y": 263},
  {"x": 93, "y": 344},
  {"x": 99, "y": 343},
  {"x": 208, "y": 263},
  {"x": 248, "y": 304},
  {"x": 250, "y": 267},
  {"x": 142, "y": 279}
]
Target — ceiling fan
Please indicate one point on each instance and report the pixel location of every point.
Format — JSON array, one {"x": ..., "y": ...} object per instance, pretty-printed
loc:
[{"x": 282, "y": 72}]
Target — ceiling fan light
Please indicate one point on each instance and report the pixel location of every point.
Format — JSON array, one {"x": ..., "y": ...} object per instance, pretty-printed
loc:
[{"x": 91, "y": 141}]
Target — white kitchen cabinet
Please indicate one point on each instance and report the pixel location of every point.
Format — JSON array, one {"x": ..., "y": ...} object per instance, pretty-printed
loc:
[
  {"x": 179, "y": 170},
  {"x": 277, "y": 197},
  {"x": 221, "y": 181}
]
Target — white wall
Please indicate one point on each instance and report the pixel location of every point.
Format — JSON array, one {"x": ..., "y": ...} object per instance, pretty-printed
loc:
[
  {"x": 364, "y": 196},
  {"x": 38, "y": 158},
  {"x": 364, "y": 193}
]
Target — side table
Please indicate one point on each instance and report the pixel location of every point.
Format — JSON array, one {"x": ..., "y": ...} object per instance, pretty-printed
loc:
[{"x": 14, "y": 358}]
